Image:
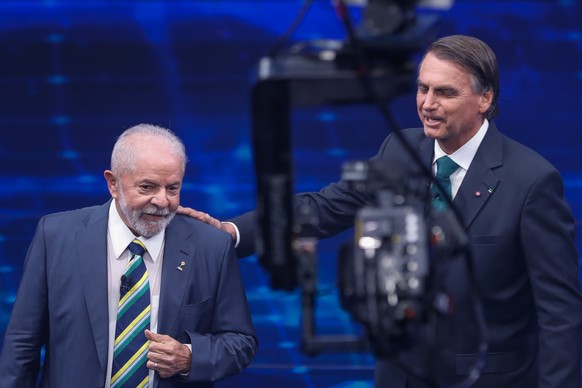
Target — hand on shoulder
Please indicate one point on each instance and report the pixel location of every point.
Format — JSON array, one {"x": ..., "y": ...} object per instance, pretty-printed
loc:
[{"x": 208, "y": 219}]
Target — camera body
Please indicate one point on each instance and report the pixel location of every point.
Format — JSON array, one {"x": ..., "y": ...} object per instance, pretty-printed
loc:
[{"x": 384, "y": 271}]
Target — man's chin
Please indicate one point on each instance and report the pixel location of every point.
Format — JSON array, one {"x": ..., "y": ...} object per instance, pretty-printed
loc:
[
  {"x": 150, "y": 231},
  {"x": 149, "y": 228},
  {"x": 431, "y": 132}
]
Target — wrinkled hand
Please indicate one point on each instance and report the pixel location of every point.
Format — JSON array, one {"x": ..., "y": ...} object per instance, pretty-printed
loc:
[
  {"x": 206, "y": 218},
  {"x": 167, "y": 356}
]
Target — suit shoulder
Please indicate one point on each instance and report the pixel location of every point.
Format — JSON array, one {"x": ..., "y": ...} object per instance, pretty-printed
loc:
[
  {"x": 199, "y": 228},
  {"x": 392, "y": 145},
  {"x": 70, "y": 216},
  {"x": 414, "y": 135},
  {"x": 523, "y": 156},
  {"x": 66, "y": 224}
]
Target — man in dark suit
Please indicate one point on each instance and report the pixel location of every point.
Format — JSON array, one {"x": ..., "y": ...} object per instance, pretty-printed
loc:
[
  {"x": 520, "y": 228},
  {"x": 199, "y": 328}
]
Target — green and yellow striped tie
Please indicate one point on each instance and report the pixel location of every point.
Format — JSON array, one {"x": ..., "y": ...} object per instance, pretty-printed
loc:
[{"x": 130, "y": 352}]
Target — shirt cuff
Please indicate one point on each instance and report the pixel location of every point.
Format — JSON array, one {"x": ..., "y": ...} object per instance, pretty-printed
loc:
[
  {"x": 237, "y": 240},
  {"x": 187, "y": 373}
]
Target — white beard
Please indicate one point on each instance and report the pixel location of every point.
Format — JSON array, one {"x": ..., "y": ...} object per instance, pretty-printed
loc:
[{"x": 145, "y": 228}]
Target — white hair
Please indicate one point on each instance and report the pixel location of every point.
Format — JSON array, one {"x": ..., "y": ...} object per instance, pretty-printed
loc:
[{"x": 123, "y": 156}]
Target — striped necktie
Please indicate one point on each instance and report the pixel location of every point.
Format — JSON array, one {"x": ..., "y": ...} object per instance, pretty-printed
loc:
[
  {"x": 445, "y": 168},
  {"x": 133, "y": 317}
]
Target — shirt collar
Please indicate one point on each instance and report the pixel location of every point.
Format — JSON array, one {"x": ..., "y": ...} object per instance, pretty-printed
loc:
[
  {"x": 464, "y": 155},
  {"x": 121, "y": 236}
]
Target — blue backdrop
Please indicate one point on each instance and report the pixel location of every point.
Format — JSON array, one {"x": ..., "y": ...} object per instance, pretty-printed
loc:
[{"x": 74, "y": 75}]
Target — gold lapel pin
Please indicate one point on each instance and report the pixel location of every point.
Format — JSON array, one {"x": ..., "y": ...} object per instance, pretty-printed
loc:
[{"x": 181, "y": 266}]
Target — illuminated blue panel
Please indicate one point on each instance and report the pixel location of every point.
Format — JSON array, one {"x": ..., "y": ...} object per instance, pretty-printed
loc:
[{"x": 74, "y": 75}]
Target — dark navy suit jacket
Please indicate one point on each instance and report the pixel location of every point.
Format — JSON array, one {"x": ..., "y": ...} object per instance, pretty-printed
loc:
[
  {"x": 62, "y": 303},
  {"x": 521, "y": 232}
]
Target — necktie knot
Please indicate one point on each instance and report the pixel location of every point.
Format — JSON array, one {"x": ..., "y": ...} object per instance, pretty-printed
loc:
[
  {"x": 136, "y": 247},
  {"x": 446, "y": 166}
]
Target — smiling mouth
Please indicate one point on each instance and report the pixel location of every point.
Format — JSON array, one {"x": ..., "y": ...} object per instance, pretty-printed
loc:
[{"x": 156, "y": 216}]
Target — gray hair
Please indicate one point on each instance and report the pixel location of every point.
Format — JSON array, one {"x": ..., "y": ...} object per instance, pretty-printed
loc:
[
  {"x": 475, "y": 57},
  {"x": 123, "y": 156}
]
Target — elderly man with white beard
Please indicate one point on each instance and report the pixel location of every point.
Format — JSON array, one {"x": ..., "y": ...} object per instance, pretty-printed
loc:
[{"x": 127, "y": 294}]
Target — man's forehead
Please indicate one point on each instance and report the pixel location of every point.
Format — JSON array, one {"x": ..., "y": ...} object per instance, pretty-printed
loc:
[{"x": 441, "y": 73}]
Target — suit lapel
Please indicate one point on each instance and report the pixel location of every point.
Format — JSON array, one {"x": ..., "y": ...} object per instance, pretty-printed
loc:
[
  {"x": 427, "y": 151},
  {"x": 176, "y": 270},
  {"x": 91, "y": 252},
  {"x": 426, "y": 147},
  {"x": 480, "y": 181}
]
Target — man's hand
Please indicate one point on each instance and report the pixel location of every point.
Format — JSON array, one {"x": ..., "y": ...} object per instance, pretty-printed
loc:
[
  {"x": 167, "y": 356},
  {"x": 205, "y": 217}
]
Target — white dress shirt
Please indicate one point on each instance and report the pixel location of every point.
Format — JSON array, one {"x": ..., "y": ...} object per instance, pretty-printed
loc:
[
  {"x": 118, "y": 238},
  {"x": 463, "y": 157}
]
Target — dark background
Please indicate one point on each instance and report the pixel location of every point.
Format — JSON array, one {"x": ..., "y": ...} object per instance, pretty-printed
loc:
[{"x": 74, "y": 75}]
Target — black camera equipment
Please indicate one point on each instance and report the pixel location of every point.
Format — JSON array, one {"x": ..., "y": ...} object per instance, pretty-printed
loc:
[
  {"x": 318, "y": 73},
  {"x": 384, "y": 272}
]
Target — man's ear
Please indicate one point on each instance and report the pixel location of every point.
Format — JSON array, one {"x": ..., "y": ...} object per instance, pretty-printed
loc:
[
  {"x": 486, "y": 100},
  {"x": 112, "y": 183}
]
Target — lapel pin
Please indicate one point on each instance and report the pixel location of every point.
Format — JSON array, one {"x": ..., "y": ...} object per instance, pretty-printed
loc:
[
  {"x": 181, "y": 266},
  {"x": 477, "y": 193},
  {"x": 490, "y": 191}
]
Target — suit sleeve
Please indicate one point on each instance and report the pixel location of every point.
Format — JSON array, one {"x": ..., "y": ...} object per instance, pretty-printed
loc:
[
  {"x": 335, "y": 206},
  {"x": 548, "y": 243},
  {"x": 231, "y": 345},
  {"x": 28, "y": 327}
]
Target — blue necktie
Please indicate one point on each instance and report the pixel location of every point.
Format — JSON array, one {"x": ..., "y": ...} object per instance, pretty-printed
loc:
[
  {"x": 133, "y": 317},
  {"x": 445, "y": 168}
]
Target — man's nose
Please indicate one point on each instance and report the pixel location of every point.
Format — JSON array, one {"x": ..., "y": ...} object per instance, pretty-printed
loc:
[
  {"x": 160, "y": 199},
  {"x": 430, "y": 101}
]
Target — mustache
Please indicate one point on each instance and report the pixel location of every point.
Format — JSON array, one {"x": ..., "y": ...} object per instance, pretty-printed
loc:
[{"x": 154, "y": 210}]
